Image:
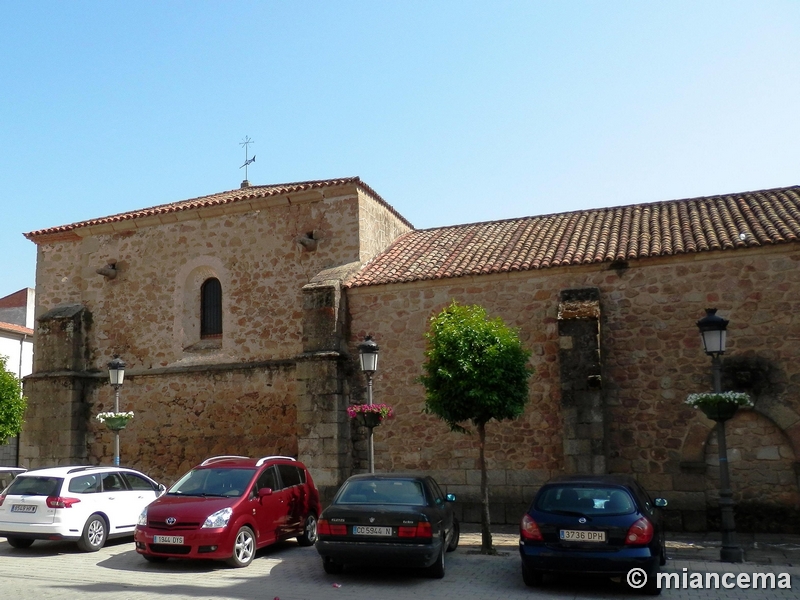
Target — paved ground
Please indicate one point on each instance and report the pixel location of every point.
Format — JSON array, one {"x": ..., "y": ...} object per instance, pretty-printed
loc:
[{"x": 289, "y": 572}]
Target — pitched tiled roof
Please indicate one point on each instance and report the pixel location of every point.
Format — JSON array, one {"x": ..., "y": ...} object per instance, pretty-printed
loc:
[
  {"x": 13, "y": 328},
  {"x": 223, "y": 198},
  {"x": 598, "y": 235}
]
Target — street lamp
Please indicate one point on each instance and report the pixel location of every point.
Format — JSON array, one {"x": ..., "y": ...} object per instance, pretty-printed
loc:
[
  {"x": 713, "y": 332},
  {"x": 116, "y": 375},
  {"x": 368, "y": 355}
]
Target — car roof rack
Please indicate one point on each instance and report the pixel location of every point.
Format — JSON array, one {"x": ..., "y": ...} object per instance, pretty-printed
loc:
[
  {"x": 214, "y": 459},
  {"x": 79, "y": 469},
  {"x": 264, "y": 459}
]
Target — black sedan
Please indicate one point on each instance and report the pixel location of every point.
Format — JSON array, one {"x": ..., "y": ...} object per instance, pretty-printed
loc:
[
  {"x": 388, "y": 520},
  {"x": 592, "y": 524}
]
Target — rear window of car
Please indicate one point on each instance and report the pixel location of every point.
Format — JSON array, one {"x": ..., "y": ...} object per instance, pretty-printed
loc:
[
  {"x": 34, "y": 486},
  {"x": 586, "y": 500},
  {"x": 214, "y": 482},
  {"x": 383, "y": 491}
]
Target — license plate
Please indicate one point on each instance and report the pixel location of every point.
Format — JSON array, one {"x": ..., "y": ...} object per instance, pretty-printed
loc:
[
  {"x": 176, "y": 540},
  {"x": 369, "y": 530},
  {"x": 576, "y": 535},
  {"x": 24, "y": 508}
]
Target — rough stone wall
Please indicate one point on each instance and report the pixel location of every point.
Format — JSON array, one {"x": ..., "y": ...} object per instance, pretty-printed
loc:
[
  {"x": 183, "y": 417},
  {"x": 379, "y": 227},
  {"x": 652, "y": 358},
  {"x": 762, "y": 465}
]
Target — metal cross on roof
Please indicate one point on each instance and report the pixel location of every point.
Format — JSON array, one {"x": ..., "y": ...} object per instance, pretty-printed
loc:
[{"x": 246, "y": 142}]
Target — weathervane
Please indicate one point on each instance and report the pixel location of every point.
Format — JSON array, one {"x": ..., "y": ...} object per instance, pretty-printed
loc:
[{"x": 246, "y": 142}]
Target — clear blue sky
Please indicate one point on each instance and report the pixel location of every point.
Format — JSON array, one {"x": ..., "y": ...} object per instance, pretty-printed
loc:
[{"x": 454, "y": 111}]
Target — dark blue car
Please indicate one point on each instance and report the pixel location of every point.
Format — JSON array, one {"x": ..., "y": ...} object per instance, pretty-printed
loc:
[{"x": 592, "y": 524}]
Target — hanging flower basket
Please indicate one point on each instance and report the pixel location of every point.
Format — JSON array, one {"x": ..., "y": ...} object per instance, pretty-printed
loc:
[
  {"x": 115, "y": 421},
  {"x": 370, "y": 415},
  {"x": 719, "y": 406}
]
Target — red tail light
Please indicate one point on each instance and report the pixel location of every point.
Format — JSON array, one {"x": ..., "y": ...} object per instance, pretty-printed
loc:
[
  {"x": 325, "y": 528},
  {"x": 2, "y": 499},
  {"x": 640, "y": 532},
  {"x": 61, "y": 502},
  {"x": 422, "y": 529},
  {"x": 529, "y": 530}
]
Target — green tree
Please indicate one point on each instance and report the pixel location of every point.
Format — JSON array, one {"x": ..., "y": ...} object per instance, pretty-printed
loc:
[
  {"x": 12, "y": 403},
  {"x": 476, "y": 369}
]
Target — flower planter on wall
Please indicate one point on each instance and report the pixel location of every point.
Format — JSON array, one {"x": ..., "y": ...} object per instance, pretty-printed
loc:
[
  {"x": 368, "y": 419},
  {"x": 721, "y": 411}
]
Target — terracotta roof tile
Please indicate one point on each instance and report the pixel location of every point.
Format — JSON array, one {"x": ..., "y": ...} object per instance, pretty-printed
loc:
[
  {"x": 13, "y": 328},
  {"x": 589, "y": 236},
  {"x": 223, "y": 198}
]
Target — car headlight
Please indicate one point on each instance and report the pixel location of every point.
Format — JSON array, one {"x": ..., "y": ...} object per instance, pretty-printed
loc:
[
  {"x": 218, "y": 519},
  {"x": 142, "y": 518}
]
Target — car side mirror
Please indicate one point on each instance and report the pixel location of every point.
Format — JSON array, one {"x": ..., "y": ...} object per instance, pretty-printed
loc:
[
  {"x": 161, "y": 489},
  {"x": 660, "y": 502},
  {"x": 264, "y": 492},
  {"x": 450, "y": 497}
]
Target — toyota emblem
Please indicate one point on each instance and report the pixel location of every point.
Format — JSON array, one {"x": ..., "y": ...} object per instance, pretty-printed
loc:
[
  {"x": 171, "y": 520},
  {"x": 582, "y": 520}
]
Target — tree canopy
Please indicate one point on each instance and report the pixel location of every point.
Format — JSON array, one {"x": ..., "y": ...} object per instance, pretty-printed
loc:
[
  {"x": 476, "y": 368},
  {"x": 12, "y": 403}
]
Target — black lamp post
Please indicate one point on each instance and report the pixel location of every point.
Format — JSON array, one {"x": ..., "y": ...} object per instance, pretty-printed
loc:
[
  {"x": 368, "y": 354},
  {"x": 116, "y": 375},
  {"x": 713, "y": 332}
]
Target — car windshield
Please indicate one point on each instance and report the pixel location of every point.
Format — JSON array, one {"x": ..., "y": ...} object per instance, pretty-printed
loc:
[
  {"x": 585, "y": 500},
  {"x": 34, "y": 486},
  {"x": 213, "y": 482},
  {"x": 382, "y": 491}
]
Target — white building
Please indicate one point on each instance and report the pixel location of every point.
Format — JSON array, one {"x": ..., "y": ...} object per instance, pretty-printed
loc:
[{"x": 16, "y": 344}]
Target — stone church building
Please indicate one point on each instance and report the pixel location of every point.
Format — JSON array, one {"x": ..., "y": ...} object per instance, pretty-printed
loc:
[{"x": 239, "y": 315}]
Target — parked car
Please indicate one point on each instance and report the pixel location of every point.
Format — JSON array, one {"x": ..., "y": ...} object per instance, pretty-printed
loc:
[
  {"x": 85, "y": 504},
  {"x": 592, "y": 524},
  {"x": 228, "y": 507},
  {"x": 388, "y": 520},
  {"x": 7, "y": 475}
]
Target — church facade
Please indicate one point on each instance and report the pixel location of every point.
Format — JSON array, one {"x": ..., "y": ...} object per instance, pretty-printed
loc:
[{"x": 239, "y": 316}]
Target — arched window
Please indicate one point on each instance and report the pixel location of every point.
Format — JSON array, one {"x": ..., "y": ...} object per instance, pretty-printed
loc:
[{"x": 211, "y": 308}]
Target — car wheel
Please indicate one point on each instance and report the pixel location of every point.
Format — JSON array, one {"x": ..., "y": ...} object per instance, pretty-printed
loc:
[
  {"x": 662, "y": 559},
  {"x": 436, "y": 570},
  {"x": 456, "y": 535},
  {"x": 532, "y": 578},
  {"x": 309, "y": 535},
  {"x": 244, "y": 548},
  {"x": 154, "y": 559},
  {"x": 19, "y": 542},
  {"x": 331, "y": 567},
  {"x": 95, "y": 533}
]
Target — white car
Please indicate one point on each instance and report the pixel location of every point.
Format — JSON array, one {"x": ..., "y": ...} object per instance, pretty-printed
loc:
[
  {"x": 7, "y": 475},
  {"x": 85, "y": 504}
]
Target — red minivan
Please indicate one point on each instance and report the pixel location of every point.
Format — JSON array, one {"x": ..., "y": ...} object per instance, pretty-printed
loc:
[{"x": 228, "y": 507}]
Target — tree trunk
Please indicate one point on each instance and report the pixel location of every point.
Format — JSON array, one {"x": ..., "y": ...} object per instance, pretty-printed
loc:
[{"x": 486, "y": 535}]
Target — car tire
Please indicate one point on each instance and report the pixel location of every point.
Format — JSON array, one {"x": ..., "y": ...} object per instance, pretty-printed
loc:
[
  {"x": 532, "y": 578},
  {"x": 662, "y": 559},
  {"x": 455, "y": 537},
  {"x": 154, "y": 559},
  {"x": 436, "y": 570},
  {"x": 21, "y": 543},
  {"x": 309, "y": 535},
  {"x": 95, "y": 534},
  {"x": 331, "y": 567},
  {"x": 244, "y": 548}
]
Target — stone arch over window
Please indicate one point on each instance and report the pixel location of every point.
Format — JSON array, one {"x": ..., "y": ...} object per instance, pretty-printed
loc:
[
  {"x": 201, "y": 305},
  {"x": 211, "y": 309}
]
